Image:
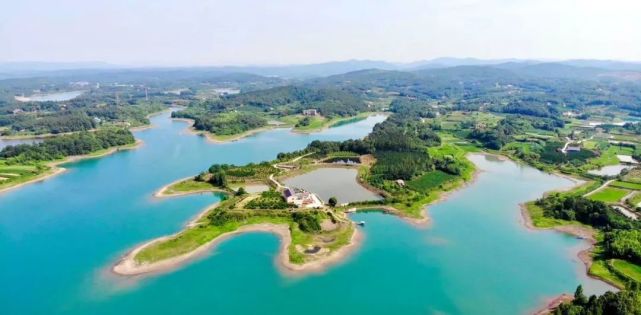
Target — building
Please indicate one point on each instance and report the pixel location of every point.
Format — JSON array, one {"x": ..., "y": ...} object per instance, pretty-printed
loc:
[
  {"x": 572, "y": 148},
  {"x": 310, "y": 112},
  {"x": 301, "y": 198}
]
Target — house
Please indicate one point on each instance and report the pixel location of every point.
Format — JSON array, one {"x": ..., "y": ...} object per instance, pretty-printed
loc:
[
  {"x": 400, "y": 182},
  {"x": 301, "y": 198},
  {"x": 310, "y": 112},
  {"x": 572, "y": 148}
]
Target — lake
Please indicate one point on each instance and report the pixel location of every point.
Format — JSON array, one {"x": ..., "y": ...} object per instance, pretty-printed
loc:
[
  {"x": 333, "y": 182},
  {"x": 8, "y": 142},
  {"x": 58, "y": 239},
  {"x": 50, "y": 97}
]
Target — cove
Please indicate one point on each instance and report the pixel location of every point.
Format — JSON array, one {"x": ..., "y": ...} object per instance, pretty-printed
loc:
[{"x": 58, "y": 239}]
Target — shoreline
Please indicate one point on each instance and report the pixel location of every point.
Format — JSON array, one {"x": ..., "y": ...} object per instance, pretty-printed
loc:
[
  {"x": 231, "y": 138},
  {"x": 425, "y": 220},
  {"x": 585, "y": 255},
  {"x": 57, "y": 169},
  {"x": 329, "y": 124},
  {"x": 553, "y": 303},
  {"x": 127, "y": 266},
  {"x": 213, "y": 138},
  {"x": 51, "y": 135},
  {"x": 161, "y": 193},
  {"x": 584, "y": 233}
]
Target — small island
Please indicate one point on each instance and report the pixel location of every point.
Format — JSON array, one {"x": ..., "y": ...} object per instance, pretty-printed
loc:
[
  {"x": 304, "y": 109},
  {"x": 401, "y": 177}
]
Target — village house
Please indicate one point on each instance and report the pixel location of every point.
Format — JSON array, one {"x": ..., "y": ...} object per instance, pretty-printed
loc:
[
  {"x": 573, "y": 148},
  {"x": 310, "y": 112},
  {"x": 301, "y": 198}
]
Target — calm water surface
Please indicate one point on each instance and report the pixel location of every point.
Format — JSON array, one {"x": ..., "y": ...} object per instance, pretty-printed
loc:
[
  {"x": 333, "y": 182},
  {"x": 6, "y": 142},
  {"x": 610, "y": 170},
  {"x": 58, "y": 239},
  {"x": 53, "y": 97}
]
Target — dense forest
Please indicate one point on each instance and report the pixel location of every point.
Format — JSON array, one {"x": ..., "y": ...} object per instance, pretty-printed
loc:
[
  {"x": 626, "y": 302},
  {"x": 241, "y": 112},
  {"x": 621, "y": 235}
]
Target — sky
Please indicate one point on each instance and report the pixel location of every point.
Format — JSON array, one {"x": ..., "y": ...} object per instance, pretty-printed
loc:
[{"x": 276, "y": 32}]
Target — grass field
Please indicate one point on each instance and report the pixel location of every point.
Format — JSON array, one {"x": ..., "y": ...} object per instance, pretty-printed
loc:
[
  {"x": 193, "y": 238},
  {"x": 189, "y": 185},
  {"x": 541, "y": 221},
  {"x": 599, "y": 269},
  {"x": 609, "y": 194},
  {"x": 609, "y": 156},
  {"x": 635, "y": 200},
  {"x": 628, "y": 269},
  {"x": 583, "y": 189},
  {"x": 430, "y": 180},
  {"x": 15, "y": 174},
  {"x": 626, "y": 185},
  {"x": 633, "y": 176}
]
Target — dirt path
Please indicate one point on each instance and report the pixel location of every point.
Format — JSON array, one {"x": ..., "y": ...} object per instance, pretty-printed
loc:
[{"x": 600, "y": 188}]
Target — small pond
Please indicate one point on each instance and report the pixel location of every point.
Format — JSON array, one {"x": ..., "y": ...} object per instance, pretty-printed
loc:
[
  {"x": 333, "y": 182},
  {"x": 610, "y": 170}
]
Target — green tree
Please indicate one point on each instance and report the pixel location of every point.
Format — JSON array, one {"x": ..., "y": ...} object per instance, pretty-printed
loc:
[{"x": 332, "y": 201}]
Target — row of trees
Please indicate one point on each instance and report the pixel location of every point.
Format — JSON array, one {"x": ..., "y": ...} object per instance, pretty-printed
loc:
[
  {"x": 625, "y": 302},
  {"x": 67, "y": 145}
]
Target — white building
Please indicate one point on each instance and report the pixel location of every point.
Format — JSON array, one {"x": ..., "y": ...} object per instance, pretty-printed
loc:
[
  {"x": 301, "y": 198},
  {"x": 310, "y": 112}
]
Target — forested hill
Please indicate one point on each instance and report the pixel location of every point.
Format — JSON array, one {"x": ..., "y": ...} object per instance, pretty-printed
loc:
[
  {"x": 242, "y": 112},
  {"x": 328, "y": 101}
]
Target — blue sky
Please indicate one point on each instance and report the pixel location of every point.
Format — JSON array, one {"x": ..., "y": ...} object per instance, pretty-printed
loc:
[{"x": 243, "y": 32}]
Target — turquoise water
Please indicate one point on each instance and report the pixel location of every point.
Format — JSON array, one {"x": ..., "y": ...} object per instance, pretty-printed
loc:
[{"x": 58, "y": 239}]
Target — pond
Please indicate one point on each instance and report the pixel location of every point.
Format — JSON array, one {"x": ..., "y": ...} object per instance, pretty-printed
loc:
[
  {"x": 610, "y": 170},
  {"x": 330, "y": 182}
]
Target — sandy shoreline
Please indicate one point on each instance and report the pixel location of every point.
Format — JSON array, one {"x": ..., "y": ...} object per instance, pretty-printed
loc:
[
  {"x": 57, "y": 169},
  {"x": 553, "y": 303},
  {"x": 128, "y": 267}
]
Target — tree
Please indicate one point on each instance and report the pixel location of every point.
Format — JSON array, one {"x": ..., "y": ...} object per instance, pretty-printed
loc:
[
  {"x": 332, "y": 201},
  {"x": 241, "y": 191},
  {"x": 579, "y": 297}
]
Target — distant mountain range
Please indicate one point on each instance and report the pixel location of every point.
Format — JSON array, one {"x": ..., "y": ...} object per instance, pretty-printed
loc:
[{"x": 566, "y": 68}]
